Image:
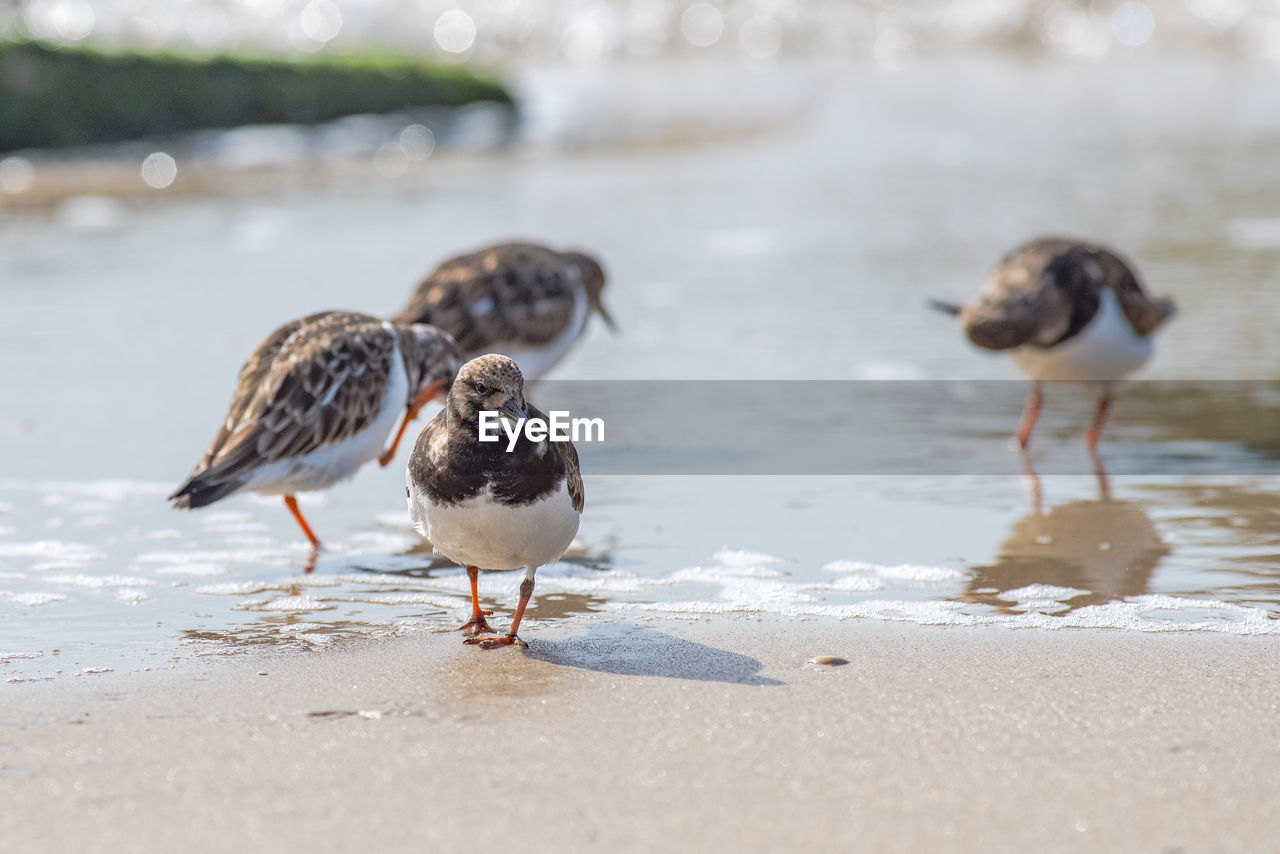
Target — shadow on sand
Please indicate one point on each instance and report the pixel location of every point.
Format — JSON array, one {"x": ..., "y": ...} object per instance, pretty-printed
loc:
[{"x": 641, "y": 651}]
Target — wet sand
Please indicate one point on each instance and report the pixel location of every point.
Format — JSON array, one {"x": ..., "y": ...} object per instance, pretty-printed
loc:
[{"x": 662, "y": 736}]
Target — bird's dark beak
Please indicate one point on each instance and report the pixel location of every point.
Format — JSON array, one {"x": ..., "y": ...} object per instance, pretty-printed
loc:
[
  {"x": 607, "y": 318},
  {"x": 511, "y": 409}
]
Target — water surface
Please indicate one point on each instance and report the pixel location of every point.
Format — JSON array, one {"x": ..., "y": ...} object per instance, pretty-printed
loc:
[{"x": 789, "y": 234}]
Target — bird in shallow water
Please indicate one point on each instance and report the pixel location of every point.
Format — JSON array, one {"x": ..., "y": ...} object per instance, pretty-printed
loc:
[
  {"x": 1065, "y": 310},
  {"x": 484, "y": 507},
  {"x": 522, "y": 300},
  {"x": 315, "y": 402}
]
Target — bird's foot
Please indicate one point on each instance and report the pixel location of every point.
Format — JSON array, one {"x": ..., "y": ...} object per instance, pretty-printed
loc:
[
  {"x": 477, "y": 625},
  {"x": 494, "y": 643}
]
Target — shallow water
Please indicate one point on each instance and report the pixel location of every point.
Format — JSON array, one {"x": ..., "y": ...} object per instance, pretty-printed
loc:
[{"x": 739, "y": 248}]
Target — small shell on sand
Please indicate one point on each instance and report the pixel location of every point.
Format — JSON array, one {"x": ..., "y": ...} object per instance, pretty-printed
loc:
[{"x": 827, "y": 661}]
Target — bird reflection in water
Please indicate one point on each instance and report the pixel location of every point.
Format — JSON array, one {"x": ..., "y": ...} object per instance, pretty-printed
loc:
[{"x": 1106, "y": 547}]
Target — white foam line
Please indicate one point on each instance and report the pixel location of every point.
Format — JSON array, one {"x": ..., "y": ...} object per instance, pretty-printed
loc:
[
  {"x": 247, "y": 588},
  {"x": 192, "y": 570},
  {"x": 738, "y": 557},
  {"x": 915, "y": 573},
  {"x": 1042, "y": 593},
  {"x": 275, "y": 556},
  {"x": 53, "y": 550},
  {"x": 286, "y": 604},
  {"x": 32, "y": 599},
  {"x": 1132, "y": 614},
  {"x": 98, "y": 582}
]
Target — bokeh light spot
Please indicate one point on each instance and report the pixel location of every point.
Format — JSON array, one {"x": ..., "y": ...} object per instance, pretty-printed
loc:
[
  {"x": 701, "y": 24},
  {"x": 1133, "y": 24},
  {"x": 207, "y": 25},
  {"x": 455, "y": 31},
  {"x": 417, "y": 142},
  {"x": 159, "y": 170},
  {"x": 71, "y": 20},
  {"x": 760, "y": 36},
  {"x": 16, "y": 175},
  {"x": 320, "y": 20}
]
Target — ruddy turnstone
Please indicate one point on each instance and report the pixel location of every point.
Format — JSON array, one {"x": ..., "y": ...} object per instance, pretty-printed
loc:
[
  {"x": 315, "y": 402},
  {"x": 1065, "y": 310},
  {"x": 519, "y": 299},
  {"x": 485, "y": 507}
]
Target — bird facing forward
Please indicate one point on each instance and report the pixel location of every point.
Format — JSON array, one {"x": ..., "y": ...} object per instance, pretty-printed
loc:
[
  {"x": 522, "y": 300},
  {"x": 315, "y": 402},
  {"x": 484, "y": 506},
  {"x": 1065, "y": 310}
]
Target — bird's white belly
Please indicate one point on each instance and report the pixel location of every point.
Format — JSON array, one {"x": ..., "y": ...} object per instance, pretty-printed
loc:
[
  {"x": 1107, "y": 349},
  {"x": 484, "y": 533},
  {"x": 329, "y": 464},
  {"x": 535, "y": 362}
]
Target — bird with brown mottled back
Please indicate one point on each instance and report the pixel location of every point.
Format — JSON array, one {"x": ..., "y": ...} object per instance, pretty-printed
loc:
[
  {"x": 522, "y": 300},
  {"x": 316, "y": 401},
  {"x": 1066, "y": 311},
  {"x": 491, "y": 505}
]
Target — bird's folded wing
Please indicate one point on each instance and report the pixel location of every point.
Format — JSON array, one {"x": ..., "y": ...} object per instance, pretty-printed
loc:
[
  {"x": 510, "y": 294},
  {"x": 1013, "y": 310},
  {"x": 315, "y": 386}
]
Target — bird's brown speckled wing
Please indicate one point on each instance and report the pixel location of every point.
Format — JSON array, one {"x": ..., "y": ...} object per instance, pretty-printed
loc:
[
  {"x": 576, "y": 492},
  {"x": 508, "y": 294},
  {"x": 313, "y": 382},
  {"x": 573, "y": 473},
  {"x": 1018, "y": 305},
  {"x": 569, "y": 457}
]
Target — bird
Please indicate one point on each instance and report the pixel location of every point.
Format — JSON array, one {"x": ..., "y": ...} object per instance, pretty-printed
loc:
[
  {"x": 316, "y": 401},
  {"x": 483, "y": 506},
  {"x": 1065, "y": 310},
  {"x": 525, "y": 301}
]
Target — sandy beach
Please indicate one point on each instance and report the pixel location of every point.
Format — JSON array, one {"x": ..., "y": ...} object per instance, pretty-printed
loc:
[
  {"x": 663, "y": 736},
  {"x": 1081, "y": 664}
]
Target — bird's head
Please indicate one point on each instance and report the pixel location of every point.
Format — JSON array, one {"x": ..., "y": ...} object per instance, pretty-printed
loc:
[
  {"x": 431, "y": 360},
  {"x": 486, "y": 384},
  {"x": 593, "y": 279}
]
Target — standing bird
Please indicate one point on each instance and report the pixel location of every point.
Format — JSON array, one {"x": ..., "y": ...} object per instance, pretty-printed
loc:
[
  {"x": 315, "y": 402},
  {"x": 484, "y": 507},
  {"x": 519, "y": 299},
  {"x": 1065, "y": 310}
]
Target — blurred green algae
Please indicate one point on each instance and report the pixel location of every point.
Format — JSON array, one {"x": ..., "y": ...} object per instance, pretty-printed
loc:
[{"x": 57, "y": 97}]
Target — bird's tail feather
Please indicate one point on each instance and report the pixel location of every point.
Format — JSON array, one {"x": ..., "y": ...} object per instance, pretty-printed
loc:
[
  {"x": 945, "y": 307},
  {"x": 199, "y": 490}
]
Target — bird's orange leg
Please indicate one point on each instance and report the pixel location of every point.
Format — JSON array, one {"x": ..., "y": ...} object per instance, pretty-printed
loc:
[
  {"x": 1029, "y": 416},
  {"x": 1095, "y": 429},
  {"x": 477, "y": 624},
  {"x": 292, "y": 504},
  {"x": 1032, "y": 481},
  {"x": 510, "y": 639},
  {"x": 420, "y": 400}
]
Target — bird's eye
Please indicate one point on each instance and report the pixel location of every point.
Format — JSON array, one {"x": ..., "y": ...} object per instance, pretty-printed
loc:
[{"x": 482, "y": 388}]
